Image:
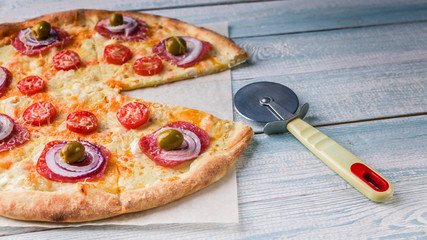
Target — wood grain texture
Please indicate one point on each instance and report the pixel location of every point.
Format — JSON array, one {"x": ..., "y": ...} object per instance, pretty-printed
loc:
[
  {"x": 278, "y": 166},
  {"x": 353, "y": 94},
  {"x": 253, "y": 18},
  {"x": 282, "y": 17},
  {"x": 331, "y": 50},
  {"x": 326, "y": 215},
  {"x": 25, "y": 9}
]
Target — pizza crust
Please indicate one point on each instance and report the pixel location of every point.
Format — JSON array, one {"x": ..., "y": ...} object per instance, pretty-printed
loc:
[
  {"x": 209, "y": 169},
  {"x": 92, "y": 204}
]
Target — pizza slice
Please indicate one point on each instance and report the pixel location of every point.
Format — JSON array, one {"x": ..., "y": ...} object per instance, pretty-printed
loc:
[
  {"x": 132, "y": 161},
  {"x": 140, "y": 50}
]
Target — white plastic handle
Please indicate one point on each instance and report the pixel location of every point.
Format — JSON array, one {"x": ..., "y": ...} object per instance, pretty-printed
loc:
[{"x": 365, "y": 179}]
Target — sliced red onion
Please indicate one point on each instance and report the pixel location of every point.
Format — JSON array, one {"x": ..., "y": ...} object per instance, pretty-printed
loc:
[
  {"x": 194, "y": 48},
  {"x": 6, "y": 127},
  {"x": 27, "y": 37},
  {"x": 57, "y": 165},
  {"x": 129, "y": 26},
  {"x": 3, "y": 77},
  {"x": 189, "y": 149}
]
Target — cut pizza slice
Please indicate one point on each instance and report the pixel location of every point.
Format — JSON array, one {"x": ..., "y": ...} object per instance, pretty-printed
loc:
[
  {"x": 123, "y": 169},
  {"x": 147, "y": 50}
]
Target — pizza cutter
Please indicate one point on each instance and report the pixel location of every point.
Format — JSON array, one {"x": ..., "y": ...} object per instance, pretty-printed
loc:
[{"x": 277, "y": 105}]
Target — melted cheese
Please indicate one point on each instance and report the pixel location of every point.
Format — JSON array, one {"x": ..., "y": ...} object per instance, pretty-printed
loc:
[{"x": 89, "y": 88}]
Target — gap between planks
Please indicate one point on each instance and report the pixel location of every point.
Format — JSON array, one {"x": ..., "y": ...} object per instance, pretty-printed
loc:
[
  {"x": 364, "y": 120},
  {"x": 333, "y": 29},
  {"x": 202, "y": 225},
  {"x": 201, "y": 5},
  {"x": 327, "y": 191}
]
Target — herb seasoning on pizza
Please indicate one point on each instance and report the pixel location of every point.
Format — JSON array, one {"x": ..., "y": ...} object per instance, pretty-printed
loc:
[{"x": 73, "y": 149}]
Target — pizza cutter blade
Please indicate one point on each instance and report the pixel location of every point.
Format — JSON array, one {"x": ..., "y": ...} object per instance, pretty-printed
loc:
[{"x": 277, "y": 105}]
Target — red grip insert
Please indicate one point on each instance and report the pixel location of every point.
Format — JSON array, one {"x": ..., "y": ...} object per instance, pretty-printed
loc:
[{"x": 370, "y": 177}]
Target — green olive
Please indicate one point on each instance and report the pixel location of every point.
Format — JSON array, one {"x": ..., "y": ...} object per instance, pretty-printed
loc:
[
  {"x": 72, "y": 152},
  {"x": 176, "y": 46},
  {"x": 41, "y": 30},
  {"x": 116, "y": 19},
  {"x": 170, "y": 139}
]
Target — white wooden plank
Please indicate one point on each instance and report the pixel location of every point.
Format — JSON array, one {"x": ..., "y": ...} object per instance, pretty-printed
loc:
[
  {"x": 278, "y": 17},
  {"x": 325, "y": 51},
  {"x": 326, "y": 215},
  {"x": 353, "y": 94}
]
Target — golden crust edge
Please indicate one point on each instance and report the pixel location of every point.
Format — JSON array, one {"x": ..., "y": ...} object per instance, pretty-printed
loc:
[
  {"x": 208, "y": 170},
  {"x": 94, "y": 204}
]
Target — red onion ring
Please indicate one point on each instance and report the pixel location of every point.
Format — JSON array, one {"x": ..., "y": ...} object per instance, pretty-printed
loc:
[
  {"x": 93, "y": 161},
  {"x": 129, "y": 26},
  {"x": 3, "y": 77},
  {"x": 194, "y": 48},
  {"x": 6, "y": 127},
  {"x": 27, "y": 37},
  {"x": 189, "y": 149}
]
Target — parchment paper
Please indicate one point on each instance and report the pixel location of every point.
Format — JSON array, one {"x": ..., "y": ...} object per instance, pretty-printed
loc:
[{"x": 214, "y": 204}]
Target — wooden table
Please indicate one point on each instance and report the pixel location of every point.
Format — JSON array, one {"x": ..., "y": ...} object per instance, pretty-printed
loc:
[{"x": 362, "y": 66}]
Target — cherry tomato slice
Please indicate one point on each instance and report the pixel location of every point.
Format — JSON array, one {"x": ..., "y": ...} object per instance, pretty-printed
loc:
[
  {"x": 148, "y": 66},
  {"x": 82, "y": 122},
  {"x": 133, "y": 115},
  {"x": 39, "y": 113},
  {"x": 66, "y": 60},
  {"x": 117, "y": 54},
  {"x": 31, "y": 85}
]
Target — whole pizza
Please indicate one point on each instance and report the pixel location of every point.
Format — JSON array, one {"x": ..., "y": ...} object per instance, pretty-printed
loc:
[{"x": 73, "y": 149}]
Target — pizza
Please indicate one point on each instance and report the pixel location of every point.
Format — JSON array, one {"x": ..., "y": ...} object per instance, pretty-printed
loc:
[{"x": 73, "y": 149}]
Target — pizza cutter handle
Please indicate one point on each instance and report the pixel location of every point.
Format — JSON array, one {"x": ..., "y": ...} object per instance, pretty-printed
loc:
[{"x": 364, "y": 178}]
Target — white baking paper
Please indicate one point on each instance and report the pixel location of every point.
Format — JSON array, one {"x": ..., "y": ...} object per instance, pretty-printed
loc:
[{"x": 214, "y": 204}]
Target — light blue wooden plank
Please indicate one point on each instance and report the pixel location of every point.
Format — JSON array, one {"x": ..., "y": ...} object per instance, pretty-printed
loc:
[
  {"x": 278, "y": 17},
  {"x": 326, "y": 51},
  {"x": 327, "y": 215},
  {"x": 8, "y": 231},
  {"x": 352, "y": 94},
  {"x": 279, "y": 166},
  {"x": 252, "y": 19},
  {"x": 25, "y": 9}
]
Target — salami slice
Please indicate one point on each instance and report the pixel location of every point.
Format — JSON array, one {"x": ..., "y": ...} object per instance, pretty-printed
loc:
[
  {"x": 185, "y": 60},
  {"x": 138, "y": 34},
  {"x": 5, "y": 79},
  {"x": 44, "y": 170},
  {"x": 18, "y": 136},
  {"x": 63, "y": 38},
  {"x": 148, "y": 144}
]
